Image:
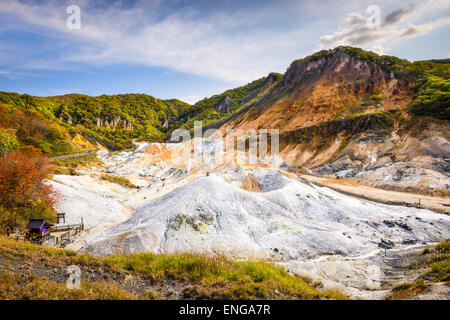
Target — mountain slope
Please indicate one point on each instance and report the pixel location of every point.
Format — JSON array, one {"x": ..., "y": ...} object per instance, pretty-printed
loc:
[
  {"x": 354, "y": 113},
  {"x": 342, "y": 83},
  {"x": 221, "y": 106}
]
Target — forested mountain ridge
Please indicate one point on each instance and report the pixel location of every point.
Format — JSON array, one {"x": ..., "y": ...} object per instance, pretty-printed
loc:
[
  {"x": 55, "y": 124},
  {"x": 113, "y": 121}
]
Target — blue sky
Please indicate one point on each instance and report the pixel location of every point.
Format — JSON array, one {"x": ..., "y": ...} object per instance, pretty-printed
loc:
[{"x": 193, "y": 49}]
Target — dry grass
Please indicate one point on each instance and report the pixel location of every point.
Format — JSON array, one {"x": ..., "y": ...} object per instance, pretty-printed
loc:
[
  {"x": 406, "y": 291},
  {"x": 204, "y": 276},
  {"x": 29, "y": 287}
]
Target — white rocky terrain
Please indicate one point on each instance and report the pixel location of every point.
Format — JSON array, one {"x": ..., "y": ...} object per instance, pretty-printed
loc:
[
  {"x": 88, "y": 198},
  {"x": 182, "y": 205}
]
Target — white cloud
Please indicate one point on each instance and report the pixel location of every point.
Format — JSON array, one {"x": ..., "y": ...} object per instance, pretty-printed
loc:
[
  {"x": 397, "y": 24},
  {"x": 209, "y": 46}
]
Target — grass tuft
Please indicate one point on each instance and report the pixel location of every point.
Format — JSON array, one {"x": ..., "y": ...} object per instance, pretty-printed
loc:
[{"x": 119, "y": 180}]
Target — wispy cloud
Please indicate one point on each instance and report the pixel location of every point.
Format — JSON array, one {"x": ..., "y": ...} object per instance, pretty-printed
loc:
[
  {"x": 236, "y": 45},
  {"x": 209, "y": 46},
  {"x": 397, "y": 24}
]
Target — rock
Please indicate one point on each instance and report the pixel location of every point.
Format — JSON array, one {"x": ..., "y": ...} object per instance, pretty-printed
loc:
[
  {"x": 224, "y": 105},
  {"x": 386, "y": 244},
  {"x": 390, "y": 224},
  {"x": 114, "y": 122},
  {"x": 409, "y": 241},
  {"x": 404, "y": 226},
  {"x": 250, "y": 184}
]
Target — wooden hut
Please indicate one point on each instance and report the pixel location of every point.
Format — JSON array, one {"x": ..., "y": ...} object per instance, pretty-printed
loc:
[{"x": 37, "y": 228}]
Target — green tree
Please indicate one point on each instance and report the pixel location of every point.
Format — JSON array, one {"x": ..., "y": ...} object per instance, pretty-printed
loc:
[
  {"x": 432, "y": 98},
  {"x": 8, "y": 141}
]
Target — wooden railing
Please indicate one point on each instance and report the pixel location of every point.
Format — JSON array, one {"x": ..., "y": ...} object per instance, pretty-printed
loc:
[
  {"x": 48, "y": 238},
  {"x": 77, "y": 227}
]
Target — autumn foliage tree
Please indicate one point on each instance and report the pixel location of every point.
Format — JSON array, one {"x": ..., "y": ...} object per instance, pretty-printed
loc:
[
  {"x": 31, "y": 128},
  {"x": 23, "y": 192}
]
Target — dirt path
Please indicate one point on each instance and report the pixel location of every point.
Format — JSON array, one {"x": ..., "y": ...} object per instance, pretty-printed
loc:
[
  {"x": 437, "y": 204},
  {"x": 73, "y": 155}
]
